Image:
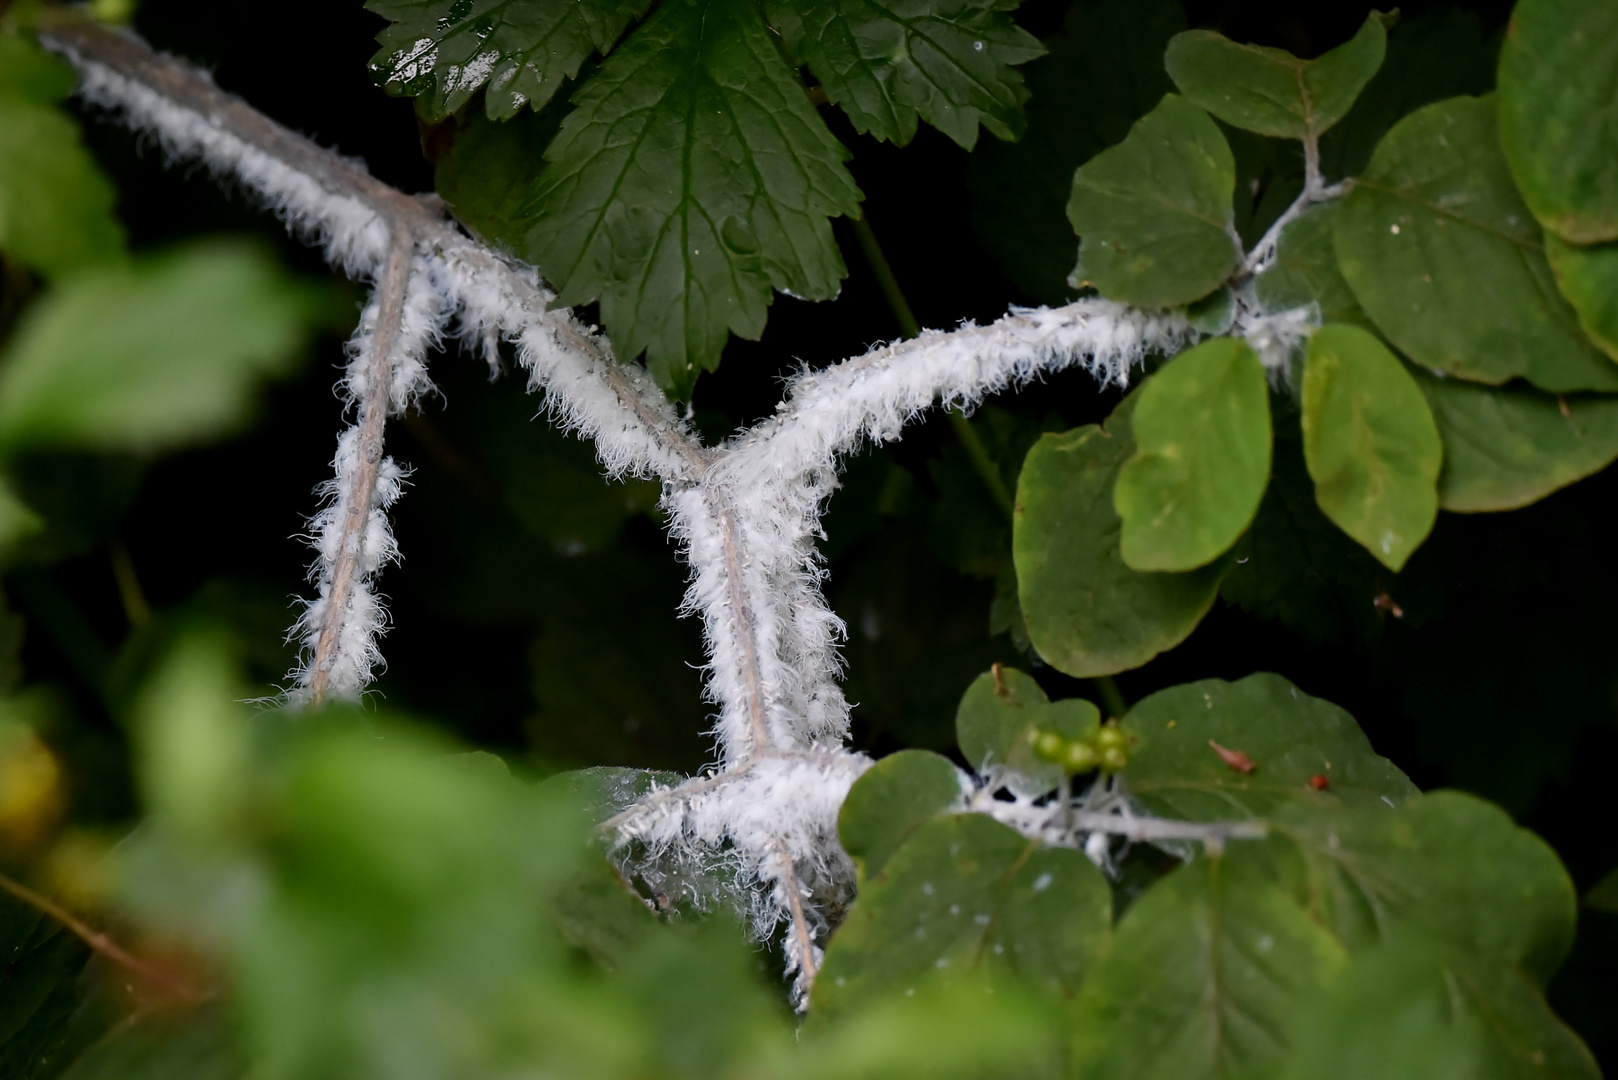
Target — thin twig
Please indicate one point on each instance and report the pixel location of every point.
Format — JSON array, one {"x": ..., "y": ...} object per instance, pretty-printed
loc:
[
  {"x": 805, "y": 942},
  {"x": 383, "y": 346},
  {"x": 98, "y": 942}
]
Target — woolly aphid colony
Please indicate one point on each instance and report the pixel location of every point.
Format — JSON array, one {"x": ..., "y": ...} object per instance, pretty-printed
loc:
[{"x": 746, "y": 513}]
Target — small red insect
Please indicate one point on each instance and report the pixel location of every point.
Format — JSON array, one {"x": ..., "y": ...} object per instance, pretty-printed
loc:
[
  {"x": 1319, "y": 783},
  {"x": 1234, "y": 758}
]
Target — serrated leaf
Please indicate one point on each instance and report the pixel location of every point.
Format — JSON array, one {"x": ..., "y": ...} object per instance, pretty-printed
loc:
[
  {"x": 1446, "y": 260},
  {"x": 999, "y": 713},
  {"x": 1558, "y": 114},
  {"x": 1450, "y": 864},
  {"x": 966, "y": 897},
  {"x": 1370, "y": 443},
  {"x": 1416, "y": 1008},
  {"x": 55, "y": 203},
  {"x": 1087, "y": 612},
  {"x": 1270, "y": 91},
  {"x": 441, "y": 52},
  {"x": 1287, "y": 735},
  {"x": 1588, "y": 277},
  {"x": 1154, "y": 212},
  {"x": 152, "y": 355},
  {"x": 894, "y": 798},
  {"x": 890, "y": 63},
  {"x": 1205, "y": 971},
  {"x": 1305, "y": 271},
  {"x": 487, "y": 175},
  {"x": 692, "y": 177},
  {"x": 1509, "y": 446},
  {"x": 1101, "y": 74},
  {"x": 1202, "y": 458}
]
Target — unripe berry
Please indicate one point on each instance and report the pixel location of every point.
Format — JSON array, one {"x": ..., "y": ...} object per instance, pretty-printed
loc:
[
  {"x": 1078, "y": 757},
  {"x": 1048, "y": 745},
  {"x": 1114, "y": 758},
  {"x": 1111, "y": 737}
]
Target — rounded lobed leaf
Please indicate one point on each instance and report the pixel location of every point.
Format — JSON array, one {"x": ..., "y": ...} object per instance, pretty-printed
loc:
[
  {"x": 1154, "y": 212},
  {"x": 1509, "y": 446},
  {"x": 1451, "y": 864},
  {"x": 966, "y": 897},
  {"x": 1559, "y": 114},
  {"x": 1202, "y": 458},
  {"x": 1415, "y": 1008},
  {"x": 891, "y": 800},
  {"x": 1087, "y": 612},
  {"x": 1370, "y": 443},
  {"x": 1205, "y": 971},
  {"x": 1448, "y": 263},
  {"x": 1588, "y": 277},
  {"x": 998, "y": 716},
  {"x": 1287, "y": 737},
  {"x": 1270, "y": 91}
]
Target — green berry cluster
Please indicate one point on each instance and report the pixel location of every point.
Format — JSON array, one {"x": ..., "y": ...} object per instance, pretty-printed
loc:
[{"x": 1107, "y": 749}]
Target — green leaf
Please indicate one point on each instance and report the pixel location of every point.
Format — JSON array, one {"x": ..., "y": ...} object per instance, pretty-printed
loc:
[
  {"x": 1305, "y": 271},
  {"x": 1603, "y": 895},
  {"x": 1101, "y": 74},
  {"x": 1270, "y": 91},
  {"x": 487, "y": 175},
  {"x": 55, "y": 203},
  {"x": 1288, "y": 736},
  {"x": 1588, "y": 277},
  {"x": 999, "y": 713},
  {"x": 17, "y": 520},
  {"x": 692, "y": 176},
  {"x": 965, "y": 897},
  {"x": 948, "y": 62},
  {"x": 894, "y": 798},
  {"x": 1451, "y": 864},
  {"x": 163, "y": 353},
  {"x": 444, "y": 51},
  {"x": 1413, "y": 1008},
  {"x": 1087, "y": 612},
  {"x": 29, "y": 72},
  {"x": 1154, "y": 212},
  {"x": 1296, "y": 566},
  {"x": 1202, "y": 458},
  {"x": 1370, "y": 442},
  {"x": 199, "y": 1043},
  {"x": 1509, "y": 446},
  {"x": 42, "y": 964},
  {"x": 1432, "y": 55},
  {"x": 1446, "y": 260},
  {"x": 1558, "y": 115},
  {"x": 1204, "y": 973}
]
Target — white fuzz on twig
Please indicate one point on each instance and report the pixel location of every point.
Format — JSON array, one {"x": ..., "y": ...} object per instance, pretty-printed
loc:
[
  {"x": 747, "y": 514},
  {"x": 353, "y": 234},
  {"x": 351, "y": 535}
]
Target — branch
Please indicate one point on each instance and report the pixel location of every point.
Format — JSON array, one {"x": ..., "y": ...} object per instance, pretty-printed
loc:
[
  {"x": 99, "y": 942},
  {"x": 354, "y": 519},
  {"x": 1315, "y": 190}
]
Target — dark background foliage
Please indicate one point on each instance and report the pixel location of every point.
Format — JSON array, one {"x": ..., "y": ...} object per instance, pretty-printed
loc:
[{"x": 535, "y": 609}]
